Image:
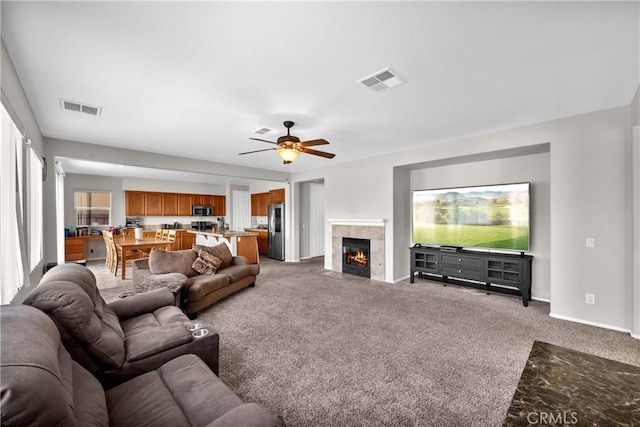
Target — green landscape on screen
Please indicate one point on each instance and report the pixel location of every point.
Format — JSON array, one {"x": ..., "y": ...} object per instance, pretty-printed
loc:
[{"x": 488, "y": 217}]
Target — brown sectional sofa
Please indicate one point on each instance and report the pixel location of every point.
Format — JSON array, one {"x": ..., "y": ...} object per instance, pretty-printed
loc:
[
  {"x": 121, "y": 340},
  {"x": 164, "y": 268},
  {"x": 41, "y": 385}
]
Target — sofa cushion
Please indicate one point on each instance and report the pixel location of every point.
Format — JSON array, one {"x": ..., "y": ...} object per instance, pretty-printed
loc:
[
  {"x": 239, "y": 272},
  {"x": 183, "y": 391},
  {"x": 86, "y": 318},
  {"x": 161, "y": 262},
  {"x": 205, "y": 284},
  {"x": 206, "y": 263},
  {"x": 221, "y": 250}
]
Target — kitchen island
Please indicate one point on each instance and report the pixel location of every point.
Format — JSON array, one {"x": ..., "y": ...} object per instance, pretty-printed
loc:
[{"x": 241, "y": 243}]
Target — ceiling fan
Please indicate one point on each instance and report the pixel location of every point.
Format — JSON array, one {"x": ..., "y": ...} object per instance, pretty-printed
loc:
[{"x": 290, "y": 146}]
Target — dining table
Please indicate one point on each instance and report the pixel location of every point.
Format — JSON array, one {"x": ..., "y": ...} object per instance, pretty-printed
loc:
[{"x": 126, "y": 244}]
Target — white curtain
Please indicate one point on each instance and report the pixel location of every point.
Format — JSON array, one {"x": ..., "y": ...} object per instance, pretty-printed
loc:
[
  {"x": 35, "y": 209},
  {"x": 11, "y": 267}
]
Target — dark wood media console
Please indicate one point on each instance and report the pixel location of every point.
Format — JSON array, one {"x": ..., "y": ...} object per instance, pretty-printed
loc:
[{"x": 508, "y": 273}]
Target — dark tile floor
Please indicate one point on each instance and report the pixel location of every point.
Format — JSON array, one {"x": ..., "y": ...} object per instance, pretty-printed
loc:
[{"x": 560, "y": 386}]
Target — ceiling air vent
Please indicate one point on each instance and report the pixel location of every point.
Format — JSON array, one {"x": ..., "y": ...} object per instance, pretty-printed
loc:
[
  {"x": 80, "y": 108},
  {"x": 382, "y": 80},
  {"x": 262, "y": 131}
]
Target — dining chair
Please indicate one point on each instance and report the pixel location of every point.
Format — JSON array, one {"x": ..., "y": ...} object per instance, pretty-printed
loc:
[
  {"x": 165, "y": 234},
  {"x": 171, "y": 237},
  {"x": 115, "y": 254},
  {"x": 159, "y": 233}
]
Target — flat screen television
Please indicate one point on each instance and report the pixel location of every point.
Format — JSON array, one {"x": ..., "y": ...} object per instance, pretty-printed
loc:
[{"x": 489, "y": 216}]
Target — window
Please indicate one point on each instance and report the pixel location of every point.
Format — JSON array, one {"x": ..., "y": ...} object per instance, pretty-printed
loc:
[
  {"x": 11, "y": 266},
  {"x": 92, "y": 207},
  {"x": 35, "y": 208}
]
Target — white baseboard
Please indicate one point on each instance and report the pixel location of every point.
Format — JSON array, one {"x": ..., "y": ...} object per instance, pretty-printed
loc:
[
  {"x": 401, "y": 279},
  {"x": 541, "y": 299},
  {"x": 590, "y": 323}
]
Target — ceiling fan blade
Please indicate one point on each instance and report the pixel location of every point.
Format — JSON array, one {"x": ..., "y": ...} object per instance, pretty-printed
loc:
[
  {"x": 257, "y": 151},
  {"x": 264, "y": 140},
  {"x": 317, "y": 153},
  {"x": 313, "y": 142}
]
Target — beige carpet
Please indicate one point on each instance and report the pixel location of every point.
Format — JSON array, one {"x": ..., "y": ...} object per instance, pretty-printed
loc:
[{"x": 322, "y": 348}]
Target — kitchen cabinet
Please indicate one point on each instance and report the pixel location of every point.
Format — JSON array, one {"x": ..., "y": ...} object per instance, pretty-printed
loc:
[
  {"x": 185, "y": 201},
  {"x": 187, "y": 240},
  {"x": 263, "y": 242},
  {"x": 276, "y": 196},
  {"x": 259, "y": 203},
  {"x": 73, "y": 248},
  {"x": 202, "y": 200},
  {"x": 153, "y": 204},
  {"x": 169, "y": 204},
  {"x": 254, "y": 204},
  {"x": 134, "y": 203},
  {"x": 219, "y": 205}
]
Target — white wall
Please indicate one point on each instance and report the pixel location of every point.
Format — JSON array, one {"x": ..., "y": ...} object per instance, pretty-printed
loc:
[
  {"x": 590, "y": 195},
  {"x": 73, "y": 182}
]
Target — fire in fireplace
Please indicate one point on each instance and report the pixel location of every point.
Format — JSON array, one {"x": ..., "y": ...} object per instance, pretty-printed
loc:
[{"x": 355, "y": 256}]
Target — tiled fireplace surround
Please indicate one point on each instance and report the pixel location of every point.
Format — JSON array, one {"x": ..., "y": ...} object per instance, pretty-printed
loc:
[{"x": 359, "y": 229}]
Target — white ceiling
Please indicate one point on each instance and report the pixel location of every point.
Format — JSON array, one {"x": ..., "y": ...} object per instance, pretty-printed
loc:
[{"x": 195, "y": 79}]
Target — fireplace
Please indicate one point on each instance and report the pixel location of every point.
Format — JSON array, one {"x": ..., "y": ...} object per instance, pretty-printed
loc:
[{"x": 355, "y": 256}]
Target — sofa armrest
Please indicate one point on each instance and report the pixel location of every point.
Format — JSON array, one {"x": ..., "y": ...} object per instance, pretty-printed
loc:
[
  {"x": 249, "y": 415},
  {"x": 140, "y": 264},
  {"x": 239, "y": 260},
  {"x": 138, "y": 304}
]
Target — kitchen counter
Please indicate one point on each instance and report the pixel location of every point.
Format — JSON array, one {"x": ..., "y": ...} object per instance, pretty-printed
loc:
[{"x": 240, "y": 243}]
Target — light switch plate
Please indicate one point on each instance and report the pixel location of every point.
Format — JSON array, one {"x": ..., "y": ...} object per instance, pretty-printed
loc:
[{"x": 591, "y": 242}]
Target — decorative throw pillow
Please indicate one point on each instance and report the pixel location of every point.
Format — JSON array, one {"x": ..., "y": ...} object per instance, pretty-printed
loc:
[
  {"x": 221, "y": 250},
  {"x": 206, "y": 263}
]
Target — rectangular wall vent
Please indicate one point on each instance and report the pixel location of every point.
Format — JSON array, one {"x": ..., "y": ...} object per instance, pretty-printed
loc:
[
  {"x": 262, "y": 131},
  {"x": 80, "y": 108},
  {"x": 382, "y": 80}
]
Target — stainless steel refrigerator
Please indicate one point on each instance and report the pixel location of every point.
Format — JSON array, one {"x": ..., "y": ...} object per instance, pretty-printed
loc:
[{"x": 276, "y": 231}]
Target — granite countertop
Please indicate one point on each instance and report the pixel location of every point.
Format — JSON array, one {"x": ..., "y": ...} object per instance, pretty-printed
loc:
[{"x": 256, "y": 230}]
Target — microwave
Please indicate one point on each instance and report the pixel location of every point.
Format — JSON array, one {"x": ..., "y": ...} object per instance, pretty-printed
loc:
[{"x": 202, "y": 210}]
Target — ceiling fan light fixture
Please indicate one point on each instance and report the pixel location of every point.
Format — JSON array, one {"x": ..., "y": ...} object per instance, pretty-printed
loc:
[{"x": 288, "y": 155}]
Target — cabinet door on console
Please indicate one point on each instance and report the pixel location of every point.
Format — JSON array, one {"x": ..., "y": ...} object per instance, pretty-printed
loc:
[
  {"x": 425, "y": 261},
  {"x": 503, "y": 271}
]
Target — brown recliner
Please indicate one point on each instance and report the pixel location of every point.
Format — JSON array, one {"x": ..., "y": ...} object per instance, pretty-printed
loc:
[
  {"x": 40, "y": 385},
  {"x": 121, "y": 340}
]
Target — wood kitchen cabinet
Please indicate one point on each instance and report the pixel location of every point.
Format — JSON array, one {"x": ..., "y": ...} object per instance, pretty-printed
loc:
[
  {"x": 134, "y": 203},
  {"x": 219, "y": 205},
  {"x": 276, "y": 196},
  {"x": 254, "y": 204},
  {"x": 187, "y": 240},
  {"x": 153, "y": 204},
  {"x": 185, "y": 201},
  {"x": 259, "y": 202},
  {"x": 73, "y": 248},
  {"x": 263, "y": 242},
  {"x": 170, "y": 204},
  {"x": 202, "y": 200}
]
